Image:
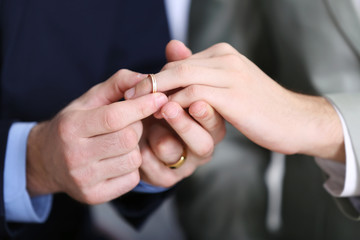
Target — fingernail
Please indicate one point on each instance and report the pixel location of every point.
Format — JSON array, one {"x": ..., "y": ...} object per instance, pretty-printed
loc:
[
  {"x": 200, "y": 113},
  {"x": 129, "y": 93},
  {"x": 160, "y": 99},
  {"x": 170, "y": 113},
  {"x": 158, "y": 115},
  {"x": 141, "y": 76}
]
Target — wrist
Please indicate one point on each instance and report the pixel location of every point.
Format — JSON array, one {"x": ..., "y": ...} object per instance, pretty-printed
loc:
[
  {"x": 323, "y": 135},
  {"x": 38, "y": 181}
]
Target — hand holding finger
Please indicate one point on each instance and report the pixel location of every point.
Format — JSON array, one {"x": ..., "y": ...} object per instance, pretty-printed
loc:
[
  {"x": 89, "y": 150},
  {"x": 187, "y": 140}
]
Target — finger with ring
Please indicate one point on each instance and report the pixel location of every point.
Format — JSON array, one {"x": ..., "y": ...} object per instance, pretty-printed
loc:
[
  {"x": 153, "y": 82},
  {"x": 180, "y": 162}
]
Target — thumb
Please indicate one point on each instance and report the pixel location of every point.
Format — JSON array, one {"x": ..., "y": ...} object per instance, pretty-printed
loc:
[
  {"x": 111, "y": 90},
  {"x": 176, "y": 50}
]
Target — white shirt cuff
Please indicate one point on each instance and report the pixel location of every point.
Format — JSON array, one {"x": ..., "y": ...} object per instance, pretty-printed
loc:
[{"x": 343, "y": 179}]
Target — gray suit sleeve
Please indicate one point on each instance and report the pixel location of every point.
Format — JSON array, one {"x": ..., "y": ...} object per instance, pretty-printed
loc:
[{"x": 348, "y": 105}]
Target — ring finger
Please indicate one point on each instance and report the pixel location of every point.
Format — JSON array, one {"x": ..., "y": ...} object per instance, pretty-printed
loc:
[{"x": 198, "y": 140}]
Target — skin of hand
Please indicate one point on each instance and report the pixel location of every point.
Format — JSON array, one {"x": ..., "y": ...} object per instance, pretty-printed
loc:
[
  {"x": 90, "y": 149},
  {"x": 268, "y": 114},
  {"x": 196, "y": 131}
]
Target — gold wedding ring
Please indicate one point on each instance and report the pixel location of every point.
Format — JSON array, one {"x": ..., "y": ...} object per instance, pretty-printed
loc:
[
  {"x": 153, "y": 82},
  {"x": 179, "y": 163}
]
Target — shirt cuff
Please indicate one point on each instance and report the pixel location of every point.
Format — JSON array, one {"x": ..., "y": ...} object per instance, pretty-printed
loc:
[
  {"x": 343, "y": 179},
  {"x": 19, "y": 207},
  {"x": 144, "y": 187}
]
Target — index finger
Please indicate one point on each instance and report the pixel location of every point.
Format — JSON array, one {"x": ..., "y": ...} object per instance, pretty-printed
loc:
[
  {"x": 110, "y": 90},
  {"x": 178, "y": 75},
  {"x": 116, "y": 116}
]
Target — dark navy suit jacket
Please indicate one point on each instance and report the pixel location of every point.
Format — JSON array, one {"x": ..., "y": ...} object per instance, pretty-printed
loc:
[{"x": 52, "y": 51}]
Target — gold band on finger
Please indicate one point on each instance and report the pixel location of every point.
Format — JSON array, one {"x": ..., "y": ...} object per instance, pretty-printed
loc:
[
  {"x": 153, "y": 82},
  {"x": 179, "y": 163}
]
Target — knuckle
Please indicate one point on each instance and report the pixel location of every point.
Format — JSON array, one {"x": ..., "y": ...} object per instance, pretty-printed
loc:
[
  {"x": 132, "y": 180},
  {"x": 232, "y": 58},
  {"x": 184, "y": 128},
  {"x": 138, "y": 128},
  {"x": 77, "y": 152},
  {"x": 120, "y": 73},
  {"x": 243, "y": 60},
  {"x": 65, "y": 126},
  {"x": 82, "y": 177},
  {"x": 129, "y": 139},
  {"x": 135, "y": 160},
  {"x": 223, "y": 46},
  {"x": 206, "y": 149},
  {"x": 145, "y": 109},
  {"x": 215, "y": 125},
  {"x": 192, "y": 91},
  {"x": 111, "y": 120},
  {"x": 165, "y": 145},
  {"x": 183, "y": 69},
  {"x": 170, "y": 65},
  {"x": 75, "y": 155},
  {"x": 72, "y": 148}
]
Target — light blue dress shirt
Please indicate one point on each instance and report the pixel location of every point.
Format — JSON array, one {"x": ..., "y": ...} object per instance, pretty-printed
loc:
[{"x": 19, "y": 207}]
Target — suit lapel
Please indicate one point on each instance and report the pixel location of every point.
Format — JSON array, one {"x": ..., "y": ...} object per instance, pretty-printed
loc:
[{"x": 347, "y": 20}]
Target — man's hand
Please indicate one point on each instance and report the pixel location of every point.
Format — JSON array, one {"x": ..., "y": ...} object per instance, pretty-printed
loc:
[{"x": 90, "y": 149}]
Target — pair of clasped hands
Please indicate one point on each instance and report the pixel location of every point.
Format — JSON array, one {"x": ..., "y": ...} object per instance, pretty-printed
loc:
[{"x": 97, "y": 148}]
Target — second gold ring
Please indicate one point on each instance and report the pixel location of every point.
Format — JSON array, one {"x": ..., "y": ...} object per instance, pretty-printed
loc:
[{"x": 180, "y": 162}]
